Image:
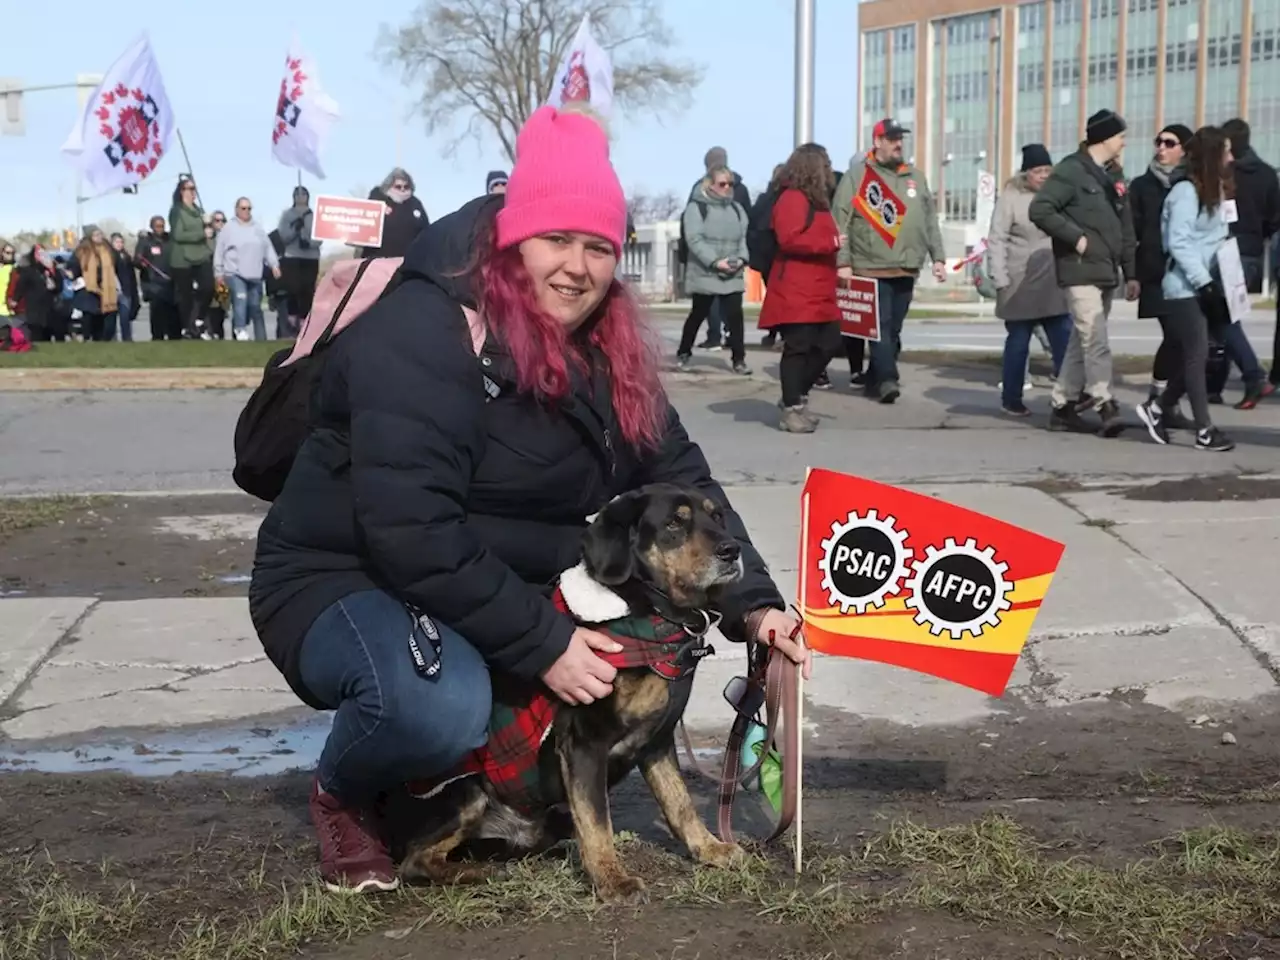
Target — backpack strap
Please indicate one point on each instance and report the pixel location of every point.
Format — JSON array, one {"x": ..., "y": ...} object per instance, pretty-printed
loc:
[{"x": 342, "y": 304}]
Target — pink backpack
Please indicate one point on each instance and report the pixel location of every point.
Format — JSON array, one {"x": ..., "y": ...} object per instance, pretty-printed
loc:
[
  {"x": 349, "y": 289},
  {"x": 13, "y": 339}
]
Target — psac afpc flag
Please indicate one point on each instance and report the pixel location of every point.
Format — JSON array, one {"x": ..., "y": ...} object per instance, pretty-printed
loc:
[
  {"x": 585, "y": 74},
  {"x": 304, "y": 114},
  {"x": 907, "y": 579},
  {"x": 124, "y": 131}
]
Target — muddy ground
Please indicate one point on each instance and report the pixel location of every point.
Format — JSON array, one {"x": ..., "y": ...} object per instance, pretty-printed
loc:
[
  {"x": 1102, "y": 830},
  {"x": 128, "y": 548}
]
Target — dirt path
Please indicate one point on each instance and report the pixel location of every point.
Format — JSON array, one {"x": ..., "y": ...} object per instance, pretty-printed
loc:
[{"x": 1108, "y": 830}]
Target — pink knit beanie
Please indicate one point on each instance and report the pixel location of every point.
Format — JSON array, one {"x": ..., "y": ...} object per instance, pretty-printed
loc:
[{"x": 562, "y": 180}]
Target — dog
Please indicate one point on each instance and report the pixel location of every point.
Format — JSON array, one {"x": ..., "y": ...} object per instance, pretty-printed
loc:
[{"x": 653, "y": 563}]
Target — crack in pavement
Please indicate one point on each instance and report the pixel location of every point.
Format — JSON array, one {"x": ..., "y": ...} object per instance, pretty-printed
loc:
[{"x": 9, "y": 704}]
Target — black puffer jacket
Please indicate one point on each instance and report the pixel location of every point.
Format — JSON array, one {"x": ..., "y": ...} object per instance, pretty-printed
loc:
[
  {"x": 1257, "y": 203},
  {"x": 418, "y": 483},
  {"x": 401, "y": 226},
  {"x": 1146, "y": 198}
]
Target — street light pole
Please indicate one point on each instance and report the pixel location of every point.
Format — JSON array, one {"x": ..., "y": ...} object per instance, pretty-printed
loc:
[{"x": 804, "y": 70}]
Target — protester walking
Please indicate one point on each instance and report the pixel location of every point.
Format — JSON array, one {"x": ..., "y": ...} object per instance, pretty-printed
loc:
[
  {"x": 715, "y": 228},
  {"x": 190, "y": 260},
  {"x": 886, "y": 213},
  {"x": 1084, "y": 207},
  {"x": 715, "y": 158},
  {"x": 1193, "y": 230},
  {"x": 1022, "y": 268},
  {"x": 406, "y": 216},
  {"x": 242, "y": 254},
  {"x": 299, "y": 264},
  {"x": 800, "y": 295}
]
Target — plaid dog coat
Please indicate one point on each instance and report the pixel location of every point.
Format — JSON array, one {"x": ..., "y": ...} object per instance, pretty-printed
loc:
[{"x": 523, "y": 713}]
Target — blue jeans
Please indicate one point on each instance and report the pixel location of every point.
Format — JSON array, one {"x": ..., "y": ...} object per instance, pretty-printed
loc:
[
  {"x": 124, "y": 311},
  {"x": 246, "y": 305},
  {"x": 391, "y": 724},
  {"x": 894, "y": 295},
  {"x": 1017, "y": 348}
]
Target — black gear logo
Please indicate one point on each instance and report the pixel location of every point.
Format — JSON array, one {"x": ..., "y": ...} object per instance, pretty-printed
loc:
[
  {"x": 959, "y": 588},
  {"x": 863, "y": 561}
]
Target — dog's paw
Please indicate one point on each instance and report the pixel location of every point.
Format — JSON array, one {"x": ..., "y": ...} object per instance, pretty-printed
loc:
[
  {"x": 717, "y": 853},
  {"x": 441, "y": 872},
  {"x": 623, "y": 891}
]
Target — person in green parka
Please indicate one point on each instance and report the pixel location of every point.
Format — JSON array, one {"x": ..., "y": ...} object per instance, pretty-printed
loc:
[{"x": 190, "y": 259}]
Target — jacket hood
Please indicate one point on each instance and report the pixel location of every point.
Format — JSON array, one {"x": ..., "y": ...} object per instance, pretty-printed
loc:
[
  {"x": 443, "y": 250},
  {"x": 1177, "y": 174},
  {"x": 1019, "y": 183},
  {"x": 1247, "y": 161},
  {"x": 706, "y": 196},
  {"x": 390, "y": 178}
]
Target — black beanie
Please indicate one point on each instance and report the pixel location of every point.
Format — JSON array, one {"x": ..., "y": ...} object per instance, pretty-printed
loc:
[
  {"x": 1035, "y": 155},
  {"x": 1103, "y": 125},
  {"x": 494, "y": 177},
  {"x": 1183, "y": 133}
]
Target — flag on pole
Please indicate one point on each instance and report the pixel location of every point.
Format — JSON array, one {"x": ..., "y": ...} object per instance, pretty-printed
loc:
[
  {"x": 911, "y": 580},
  {"x": 304, "y": 114},
  {"x": 585, "y": 74},
  {"x": 125, "y": 125}
]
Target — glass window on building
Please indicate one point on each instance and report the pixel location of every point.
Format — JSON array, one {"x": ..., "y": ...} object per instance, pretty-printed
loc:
[
  {"x": 903, "y": 107},
  {"x": 1141, "y": 55},
  {"x": 1064, "y": 72},
  {"x": 1181, "y": 60},
  {"x": 875, "y": 93},
  {"x": 1264, "y": 80},
  {"x": 966, "y": 114},
  {"x": 1028, "y": 124}
]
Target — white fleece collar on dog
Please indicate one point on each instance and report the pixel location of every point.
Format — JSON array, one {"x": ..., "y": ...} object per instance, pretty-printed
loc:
[{"x": 588, "y": 600}]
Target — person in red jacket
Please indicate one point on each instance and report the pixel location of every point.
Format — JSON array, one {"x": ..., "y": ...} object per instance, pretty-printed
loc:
[{"x": 800, "y": 292}]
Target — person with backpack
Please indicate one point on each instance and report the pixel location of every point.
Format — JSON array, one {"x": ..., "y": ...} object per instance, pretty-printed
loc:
[
  {"x": 715, "y": 227},
  {"x": 714, "y": 158},
  {"x": 887, "y": 213},
  {"x": 800, "y": 294},
  {"x": 496, "y": 395}
]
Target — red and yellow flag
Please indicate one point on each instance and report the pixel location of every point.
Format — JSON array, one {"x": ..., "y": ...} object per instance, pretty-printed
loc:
[
  {"x": 880, "y": 206},
  {"x": 907, "y": 579}
]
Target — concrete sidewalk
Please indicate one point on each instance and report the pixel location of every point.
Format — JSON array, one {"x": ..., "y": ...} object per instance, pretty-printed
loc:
[{"x": 1167, "y": 602}]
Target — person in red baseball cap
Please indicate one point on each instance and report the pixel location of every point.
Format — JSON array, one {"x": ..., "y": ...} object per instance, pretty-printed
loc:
[{"x": 889, "y": 220}]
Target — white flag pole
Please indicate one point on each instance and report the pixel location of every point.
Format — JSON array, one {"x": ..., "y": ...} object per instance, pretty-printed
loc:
[{"x": 803, "y": 584}]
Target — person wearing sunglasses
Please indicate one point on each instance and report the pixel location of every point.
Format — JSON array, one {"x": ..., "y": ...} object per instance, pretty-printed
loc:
[
  {"x": 1147, "y": 194},
  {"x": 242, "y": 255},
  {"x": 406, "y": 216}
]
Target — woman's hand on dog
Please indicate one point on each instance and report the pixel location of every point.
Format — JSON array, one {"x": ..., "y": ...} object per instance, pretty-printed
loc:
[
  {"x": 580, "y": 675},
  {"x": 783, "y": 626}
]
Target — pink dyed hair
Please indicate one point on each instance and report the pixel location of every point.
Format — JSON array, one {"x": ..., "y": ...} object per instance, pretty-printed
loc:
[{"x": 543, "y": 350}]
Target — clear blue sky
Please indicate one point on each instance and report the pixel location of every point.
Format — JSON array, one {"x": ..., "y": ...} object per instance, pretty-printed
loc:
[{"x": 221, "y": 63}]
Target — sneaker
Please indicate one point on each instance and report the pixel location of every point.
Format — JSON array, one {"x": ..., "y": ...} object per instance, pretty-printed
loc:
[
  {"x": 242, "y": 334},
  {"x": 1152, "y": 416},
  {"x": 803, "y": 409},
  {"x": 682, "y": 360},
  {"x": 1084, "y": 402},
  {"x": 1067, "y": 418},
  {"x": 796, "y": 420},
  {"x": 1112, "y": 422},
  {"x": 823, "y": 382},
  {"x": 858, "y": 379},
  {"x": 741, "y": 369},
  {"x": 1016, "y": 409},
  {"x": 1215, "y": 398},
  {"x": 1253, "y": 393},
  {"x": 708, "y": 345},
  {"x": 353, "y": 858},
  {"x": 1213, "y": 440},
  {"x": 889, "y": 392}
]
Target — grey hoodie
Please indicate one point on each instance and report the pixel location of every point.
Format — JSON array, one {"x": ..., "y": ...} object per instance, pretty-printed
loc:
[
  {"x": 242, "y": 251},
  {"x": 295, "y": 230}
]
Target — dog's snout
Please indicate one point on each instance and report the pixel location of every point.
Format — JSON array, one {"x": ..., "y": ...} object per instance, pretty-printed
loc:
[{"x": 728, "y": 551}]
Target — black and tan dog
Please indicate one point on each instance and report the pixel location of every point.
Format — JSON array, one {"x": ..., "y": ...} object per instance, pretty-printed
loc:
[{"x": 652, "y": 563}]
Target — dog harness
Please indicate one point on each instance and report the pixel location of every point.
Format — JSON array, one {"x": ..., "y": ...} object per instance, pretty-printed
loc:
[{"x": 521, "y": 722}]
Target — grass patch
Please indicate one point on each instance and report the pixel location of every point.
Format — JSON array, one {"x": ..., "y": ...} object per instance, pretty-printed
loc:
[
  {"x": 163, "y": 354},
  {"x": 24, "y": 513},
  {"x": 1193, "y": 886}
]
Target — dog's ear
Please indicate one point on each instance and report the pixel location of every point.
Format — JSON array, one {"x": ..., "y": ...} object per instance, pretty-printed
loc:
[{"x": 608, "y": 546}]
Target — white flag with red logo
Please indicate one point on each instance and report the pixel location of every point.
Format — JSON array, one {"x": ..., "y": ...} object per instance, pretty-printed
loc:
[
  {"x": 304, "y": 114},
  {"x": 127, "y": 121},
  {"x": 585, "y": 75}
]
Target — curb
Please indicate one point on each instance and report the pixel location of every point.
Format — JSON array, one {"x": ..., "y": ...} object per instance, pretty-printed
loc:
[{"x": 30, "y": 379}]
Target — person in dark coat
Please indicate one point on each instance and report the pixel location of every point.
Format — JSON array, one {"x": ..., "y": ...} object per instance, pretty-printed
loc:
[
  {"x": 406, "y": 216},
  {"x": 151, "y": 254},
  {"x": 1146, "y": 198},
  {"x": 448, "y": 482},
  {"x": 36, "y": 289},
  {"x": 128, "y": 297}
]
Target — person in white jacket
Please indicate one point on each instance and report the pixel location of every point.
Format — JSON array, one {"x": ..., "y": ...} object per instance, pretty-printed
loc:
[{"x": 241, "y": 254}]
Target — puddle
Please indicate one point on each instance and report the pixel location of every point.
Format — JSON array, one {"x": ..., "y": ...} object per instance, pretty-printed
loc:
[
  {"x": 253, "y": 751},
  {"x": 236, "y": 578}
]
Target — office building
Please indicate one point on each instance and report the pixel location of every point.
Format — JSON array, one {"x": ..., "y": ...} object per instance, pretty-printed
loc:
[{"x": 975, "y": 80}]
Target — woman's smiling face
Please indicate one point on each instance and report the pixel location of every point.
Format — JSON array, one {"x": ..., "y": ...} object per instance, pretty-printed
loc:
[{"x": 571, "y": 273}]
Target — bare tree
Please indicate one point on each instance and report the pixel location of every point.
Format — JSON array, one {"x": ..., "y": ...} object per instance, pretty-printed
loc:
[
  {"x": 493, "y": 62},
  {"x": 654, "y": 208}
]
